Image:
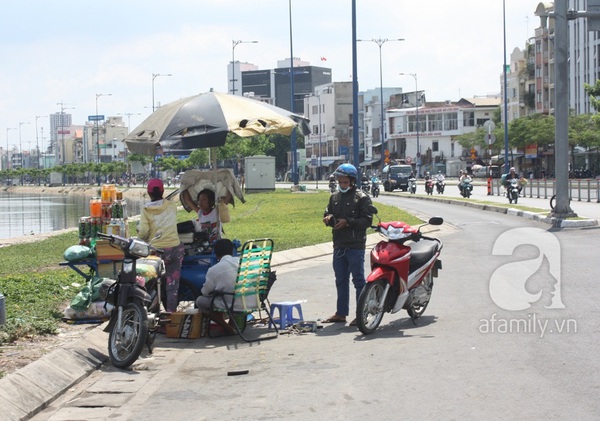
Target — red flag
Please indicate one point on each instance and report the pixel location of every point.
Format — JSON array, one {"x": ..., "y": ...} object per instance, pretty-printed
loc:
[{"x": 323, "y": 58}]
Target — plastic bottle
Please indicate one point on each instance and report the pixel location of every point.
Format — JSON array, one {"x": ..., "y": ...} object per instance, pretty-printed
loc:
[{"x": 95, "y": 207}]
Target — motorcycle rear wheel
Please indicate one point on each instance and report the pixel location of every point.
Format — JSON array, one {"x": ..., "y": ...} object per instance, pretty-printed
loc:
[
  {"x": 125, "y": 347},
  {"x": 370, "y": 309}
]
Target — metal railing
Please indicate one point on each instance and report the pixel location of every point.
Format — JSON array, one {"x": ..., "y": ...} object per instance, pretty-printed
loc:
[{"x": 584, "y": 190}]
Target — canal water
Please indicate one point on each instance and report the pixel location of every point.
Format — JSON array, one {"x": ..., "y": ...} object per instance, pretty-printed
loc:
[{"x": 30, "y": 214}]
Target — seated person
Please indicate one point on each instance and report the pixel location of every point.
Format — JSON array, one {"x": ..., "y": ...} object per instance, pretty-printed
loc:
[
  {"x": 220, "y": 277},
  {"x": 208, "y": 217}
]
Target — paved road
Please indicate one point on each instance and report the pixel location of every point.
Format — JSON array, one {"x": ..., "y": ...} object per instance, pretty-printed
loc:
[{"x": 468, "y": 357}]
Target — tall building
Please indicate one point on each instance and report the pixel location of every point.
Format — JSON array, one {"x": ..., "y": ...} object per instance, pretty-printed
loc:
[
  {"x": 59, "y": 125},
  {"x": 274, "y": 86}
]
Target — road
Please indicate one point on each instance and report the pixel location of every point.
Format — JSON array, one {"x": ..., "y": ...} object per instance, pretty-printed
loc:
[{"x": 468, "y": 357}]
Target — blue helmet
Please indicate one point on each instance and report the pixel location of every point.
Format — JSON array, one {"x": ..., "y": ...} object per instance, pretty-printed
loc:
[{"x": 346, "y": 170}]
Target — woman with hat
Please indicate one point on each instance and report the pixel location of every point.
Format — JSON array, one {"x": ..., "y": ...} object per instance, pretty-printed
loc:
[{"x": 160, "y": 216}]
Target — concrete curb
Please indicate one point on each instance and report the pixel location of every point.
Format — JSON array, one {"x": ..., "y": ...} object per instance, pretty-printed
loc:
[
  {"x": 31, "y": 388},
  {"x": 540, "y": 217}
]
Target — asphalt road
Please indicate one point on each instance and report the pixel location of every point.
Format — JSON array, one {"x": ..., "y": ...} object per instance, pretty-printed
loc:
[{"x": 469, "y": 357}]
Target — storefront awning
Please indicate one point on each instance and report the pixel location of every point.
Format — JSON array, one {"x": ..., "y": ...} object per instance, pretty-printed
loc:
[{"x": 369, "y": 162}]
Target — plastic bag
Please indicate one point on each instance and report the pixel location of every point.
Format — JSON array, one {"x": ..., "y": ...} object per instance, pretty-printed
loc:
[
  {"x": 74, "y": 253},
  {"x": 223, "y": 212},
  {"x": 87, "y": 294}
]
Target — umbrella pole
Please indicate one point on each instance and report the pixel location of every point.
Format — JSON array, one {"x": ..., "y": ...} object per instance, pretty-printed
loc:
[{"x": 213, "y": 159}]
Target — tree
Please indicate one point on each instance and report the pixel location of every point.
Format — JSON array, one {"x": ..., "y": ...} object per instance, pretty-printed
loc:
[{"x": 198, "y": 158}]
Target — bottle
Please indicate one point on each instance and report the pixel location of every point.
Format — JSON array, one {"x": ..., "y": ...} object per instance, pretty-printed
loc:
[{"x": 95, "y": 207}]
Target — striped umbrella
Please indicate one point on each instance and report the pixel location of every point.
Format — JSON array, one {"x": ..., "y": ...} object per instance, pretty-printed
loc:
[{"x": 203, "y": 121}]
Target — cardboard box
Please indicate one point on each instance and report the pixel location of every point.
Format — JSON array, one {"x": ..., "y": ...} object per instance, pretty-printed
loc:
[
  {"x": 105, "y": 252},
  {"x": 185, "y": 325}
]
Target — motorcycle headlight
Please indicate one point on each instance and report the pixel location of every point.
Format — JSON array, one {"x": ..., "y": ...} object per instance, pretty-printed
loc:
[
  {"x": 395, "y": 233},
  {"x": 139, "y": 248}
]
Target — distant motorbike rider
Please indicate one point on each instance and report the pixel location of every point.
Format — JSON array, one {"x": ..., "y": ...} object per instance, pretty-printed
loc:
[
  {"x": 463, "y": 177},
  {"x": 332, "y": 184},
  {"x": 512, "y": 174}
]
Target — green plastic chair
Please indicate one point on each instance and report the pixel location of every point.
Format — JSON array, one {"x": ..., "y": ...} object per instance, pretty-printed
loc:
[{"x": 252, "y": 286}]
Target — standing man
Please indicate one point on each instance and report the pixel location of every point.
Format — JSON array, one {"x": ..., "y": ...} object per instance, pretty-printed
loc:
[{"x": 349, "y": 214}]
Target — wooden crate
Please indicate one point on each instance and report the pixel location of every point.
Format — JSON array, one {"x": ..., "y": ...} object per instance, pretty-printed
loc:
[{"x": 105, "y": 252}]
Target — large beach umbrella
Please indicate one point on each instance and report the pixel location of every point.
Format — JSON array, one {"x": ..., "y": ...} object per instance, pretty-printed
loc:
[{"x": 203, "y": 121}]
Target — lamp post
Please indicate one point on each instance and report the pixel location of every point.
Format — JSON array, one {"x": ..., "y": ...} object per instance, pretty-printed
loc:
[
  {"x": 380, "y": 42},
  {"x": 97, "y": 129},
  {"x": 20, "y": 143},
  {"x": 234, "y": 44},
  {"x": 417, "y": 100},
  {"x": 320, "y": 165},
  {"x": 154, "y": 76},
  {"x": 129, "y": 118},
  {"x": 8, "y": 129},
  {"x": 37, "y": 141}
]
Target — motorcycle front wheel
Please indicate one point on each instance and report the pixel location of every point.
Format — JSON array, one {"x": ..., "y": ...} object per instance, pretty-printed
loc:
[
  {"x": 369, "y": 310},
  {"x": 125, "y": 342}
]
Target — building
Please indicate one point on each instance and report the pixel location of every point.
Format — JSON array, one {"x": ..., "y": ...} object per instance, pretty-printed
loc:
[
  {"x": 371, "y": 145},
  {"x": 59, "y": 123},
  {"x": 424, "y": 136},
  {"x": 329, "y": 108},
  {"x": 274, "y": 86}
]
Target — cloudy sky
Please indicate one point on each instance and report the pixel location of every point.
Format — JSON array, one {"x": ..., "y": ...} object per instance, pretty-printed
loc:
[{"x": 67, "y": 51}]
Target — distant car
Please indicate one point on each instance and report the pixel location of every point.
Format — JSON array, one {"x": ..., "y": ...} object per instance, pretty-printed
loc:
[
  {"x": 480, "y": 172},
  {"x": 397, "y": 177}
]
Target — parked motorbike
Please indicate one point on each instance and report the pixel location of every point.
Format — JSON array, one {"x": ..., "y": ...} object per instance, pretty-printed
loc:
[
  {"x": 412, "y": 185},
  {"x": 466, "y": 188},
  {"x": 512, "y": 191},
  {"x": 440, "y": 185},
  {"x": 429, "y": 186},
  {"x": 136, "y": 316},
  {"x": 401, "y": 274},
  {"x": 375, "y": 187}
]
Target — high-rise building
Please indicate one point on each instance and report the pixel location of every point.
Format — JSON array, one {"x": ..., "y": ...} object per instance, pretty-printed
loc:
[{"x": 59, "y": 122}]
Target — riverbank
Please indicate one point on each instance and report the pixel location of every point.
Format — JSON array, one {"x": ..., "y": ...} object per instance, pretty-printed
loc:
[{"x": 129, "y": 193}]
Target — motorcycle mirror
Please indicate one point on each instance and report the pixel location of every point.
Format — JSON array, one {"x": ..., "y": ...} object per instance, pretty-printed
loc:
[
  {"x": 373, "y": 209},
  {"x": 436, "y": 220},
  {"x": 157, "y": 235}
]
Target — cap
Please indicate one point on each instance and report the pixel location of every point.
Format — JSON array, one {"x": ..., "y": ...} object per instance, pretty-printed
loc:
[{"x": 155, "y": 183}]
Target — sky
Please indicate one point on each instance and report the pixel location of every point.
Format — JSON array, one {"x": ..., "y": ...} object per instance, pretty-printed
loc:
[{"x": 61, "y": 54}]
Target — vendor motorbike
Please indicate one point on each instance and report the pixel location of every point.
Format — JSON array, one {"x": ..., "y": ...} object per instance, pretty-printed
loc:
[
  {"x": 429, "y": 186},
  {"x": 412, "y": 185},
  {"x": 512, "y": 191},
  {"x": 466, "y": 188},
  {"x": 375, "y": 187},
  {"x": 440, "y": 185},
  {"x": 401, "y": 274},
  {"x": 136, "y": 316}
]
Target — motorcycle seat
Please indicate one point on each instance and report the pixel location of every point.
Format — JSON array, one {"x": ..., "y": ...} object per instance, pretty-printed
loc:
[{"x": 421, "y": 253}]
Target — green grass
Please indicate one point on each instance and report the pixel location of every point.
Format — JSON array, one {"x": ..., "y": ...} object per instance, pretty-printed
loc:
[{"x": 36, "y": 289}]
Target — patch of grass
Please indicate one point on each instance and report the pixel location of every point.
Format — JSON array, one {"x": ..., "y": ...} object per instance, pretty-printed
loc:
[{"x": 36, "y": 290}]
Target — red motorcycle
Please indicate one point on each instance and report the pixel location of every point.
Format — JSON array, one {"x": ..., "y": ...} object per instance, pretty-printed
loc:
[
  {"x": 429, "y": 186},
  {"x": 401, "y": 274}
]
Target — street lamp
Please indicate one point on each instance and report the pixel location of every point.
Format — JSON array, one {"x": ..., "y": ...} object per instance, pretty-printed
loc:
[
  {"x": 7, "y": 150},
  {"x": 129, "y": 118},
  {"x": 417, "y": 99},
  {"x": 37, "y": 142},
  {"x": 20, "y": 143},
  {"x": 234, "y": 44},
  {"x": 97, "y": 129},
  {"x": 320, "y": 138},
  {"x": 154, "y": 76},
  {"x": 380, "y": 42}
]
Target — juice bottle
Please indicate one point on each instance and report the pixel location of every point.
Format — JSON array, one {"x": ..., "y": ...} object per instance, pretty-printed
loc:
[
  {"x": 112, "y": 189},
  {"x": 105, "y": 193},
  {"x": 95, "y": 207}
]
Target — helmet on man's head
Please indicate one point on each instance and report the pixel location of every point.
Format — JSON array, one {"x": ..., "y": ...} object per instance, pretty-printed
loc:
[
  {"x": 346, "y": 170},
  {"x": 512, "y": 169}
]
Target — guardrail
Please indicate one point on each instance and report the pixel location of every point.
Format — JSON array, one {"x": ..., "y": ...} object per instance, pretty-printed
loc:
[{"x": 584, "y": 190}]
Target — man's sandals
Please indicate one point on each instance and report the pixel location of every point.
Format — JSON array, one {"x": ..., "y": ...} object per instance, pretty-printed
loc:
[{"x": 339, "y": 319}]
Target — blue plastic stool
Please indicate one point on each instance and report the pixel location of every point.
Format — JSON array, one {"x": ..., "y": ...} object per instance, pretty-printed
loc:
[{"x": 286, "y": 313}]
